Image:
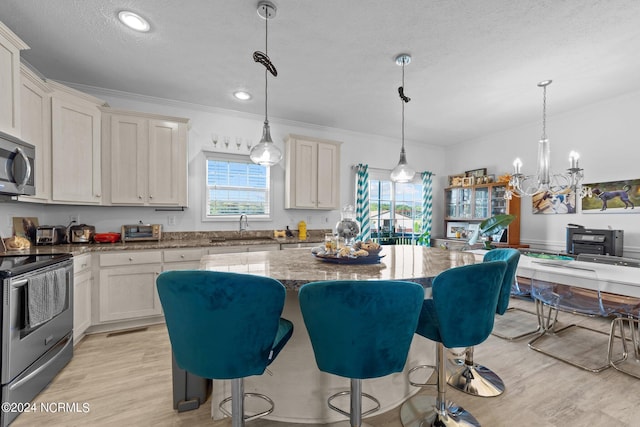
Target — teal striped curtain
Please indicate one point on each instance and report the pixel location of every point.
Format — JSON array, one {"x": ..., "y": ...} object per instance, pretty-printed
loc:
[
  {"x": 362, "y": 201},
  {"x": 427, "y": 207}
]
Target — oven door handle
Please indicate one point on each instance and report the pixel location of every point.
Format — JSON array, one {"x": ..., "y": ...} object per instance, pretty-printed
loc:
[
  {"x": 19, "y": 283},
  {"x": 40, "y": 368}
]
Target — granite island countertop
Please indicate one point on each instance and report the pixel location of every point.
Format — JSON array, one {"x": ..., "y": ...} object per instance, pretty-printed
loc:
[{"x": 296, "y": 267}]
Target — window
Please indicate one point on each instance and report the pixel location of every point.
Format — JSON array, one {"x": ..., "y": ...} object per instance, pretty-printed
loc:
[
  {"x": 235, "y": 186},
  {"x": 395, "y": 209}
]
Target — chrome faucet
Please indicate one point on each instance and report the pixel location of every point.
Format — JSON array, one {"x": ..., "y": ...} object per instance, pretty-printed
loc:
[{"x": 244, "y": 223}]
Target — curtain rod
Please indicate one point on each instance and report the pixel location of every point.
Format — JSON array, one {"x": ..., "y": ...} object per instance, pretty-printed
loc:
[{"x": 384, "y": 170}]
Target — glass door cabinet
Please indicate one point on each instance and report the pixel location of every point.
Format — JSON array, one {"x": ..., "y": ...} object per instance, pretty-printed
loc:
[{"x": 468, "y": 206}]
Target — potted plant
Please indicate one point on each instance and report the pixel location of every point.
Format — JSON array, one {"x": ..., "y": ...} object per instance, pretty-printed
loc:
[{"x": 489, "y": 227}]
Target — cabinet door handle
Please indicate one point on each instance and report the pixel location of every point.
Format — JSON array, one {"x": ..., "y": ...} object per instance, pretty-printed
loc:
[
  {"x": 151, "y": 196},
  {"x": 21, "y": 181}
]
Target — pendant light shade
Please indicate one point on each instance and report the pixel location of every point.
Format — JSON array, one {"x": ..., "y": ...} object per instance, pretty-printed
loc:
[
  {"x": 403, "y": 172},
  {"x": 266, "y": 153}
]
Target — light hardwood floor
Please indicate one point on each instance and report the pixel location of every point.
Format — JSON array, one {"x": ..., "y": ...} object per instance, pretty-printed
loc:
[{"x": 126, "y": 381}]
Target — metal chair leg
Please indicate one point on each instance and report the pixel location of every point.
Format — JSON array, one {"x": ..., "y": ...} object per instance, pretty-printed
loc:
[
  {"x": 548, "y": 324},
  {"x": 625, "y": 360},
  {"x": 500, "y": 333},
  {"x": 423, "y": 411}
]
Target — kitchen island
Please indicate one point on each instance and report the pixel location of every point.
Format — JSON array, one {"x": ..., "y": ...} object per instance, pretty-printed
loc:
[{"x": 297, "y": 387}]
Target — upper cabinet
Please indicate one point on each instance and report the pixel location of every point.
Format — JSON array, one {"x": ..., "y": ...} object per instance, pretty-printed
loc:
[
  {"x": 75, "y": 143},
  {"x": 10, "y": 47},
  {"x": 312, "y": 173},
  {"x": 35, "y": 125},
  {"x": 144, "y": 159}
]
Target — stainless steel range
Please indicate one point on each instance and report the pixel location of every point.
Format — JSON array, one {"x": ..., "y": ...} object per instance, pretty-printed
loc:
[{"x": 37, "y": 325}]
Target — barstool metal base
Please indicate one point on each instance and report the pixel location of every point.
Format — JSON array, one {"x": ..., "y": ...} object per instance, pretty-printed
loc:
[
  {"x": 420, "y": 411},
  {"x": 474, "y": 379},
  {"x": 238, "y": 417}
]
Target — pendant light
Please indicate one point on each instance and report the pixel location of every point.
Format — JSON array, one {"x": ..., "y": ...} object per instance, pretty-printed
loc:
[
  {"x": 403, "y": 172},
  {"x": 266, "y": 153}
]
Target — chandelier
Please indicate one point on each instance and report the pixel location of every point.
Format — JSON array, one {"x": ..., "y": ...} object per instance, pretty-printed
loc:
[
  {"x": 265, "y": 153},
  {"x": 544, "y": 181},
  {"x": 403, "y": 172}
]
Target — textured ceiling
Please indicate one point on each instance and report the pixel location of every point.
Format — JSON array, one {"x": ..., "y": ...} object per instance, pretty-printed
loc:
[{"x": 474, "y": 70}]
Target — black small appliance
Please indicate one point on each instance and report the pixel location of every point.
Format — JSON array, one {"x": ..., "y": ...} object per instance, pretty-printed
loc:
[{"x": 582, "y": 240}]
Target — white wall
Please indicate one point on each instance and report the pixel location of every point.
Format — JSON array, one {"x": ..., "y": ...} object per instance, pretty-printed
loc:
[
  {"x": 356, "y": 148},
  {"x": 606, "y": 136}
]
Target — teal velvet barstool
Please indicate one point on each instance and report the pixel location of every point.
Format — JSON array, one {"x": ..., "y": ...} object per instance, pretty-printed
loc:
[
  {"x": 460, "y": 314},
  {"x": 360, "y": 330},
  {"x": 466, "y": 375},
  {"x": 225, "y": 326}
]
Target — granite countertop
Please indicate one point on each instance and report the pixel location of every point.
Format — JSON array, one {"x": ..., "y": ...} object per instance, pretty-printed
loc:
[
  {"x": 176, "y": 240},
  {"x": 296, "y": 267}
]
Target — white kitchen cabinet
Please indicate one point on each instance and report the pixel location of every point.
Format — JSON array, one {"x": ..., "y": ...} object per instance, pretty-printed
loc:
[
  {"x": 35, "y": 126},
  {"x": 243, "y": 248},
  {"x": 82, "y": 282},
  {"x": 144, "y": 159},
  {"x": 10, "y": 47},
  {"x": 182, "y": 259},
  {"x": 128, "y": 285},
  {"x": 312, "y": 173},
  {"x": 75, "y": 144}
]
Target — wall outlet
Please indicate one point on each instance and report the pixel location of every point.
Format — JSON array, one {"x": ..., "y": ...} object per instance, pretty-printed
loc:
[
  {"x": 75, "y": 219},
  {"x": 171, "y": 220}
]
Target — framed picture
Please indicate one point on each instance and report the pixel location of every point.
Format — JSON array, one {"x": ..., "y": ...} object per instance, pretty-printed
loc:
[
  {"x": 458, "y": 230},
  {"x": 476, "y": 172},
  {"x": 547, "y": 203},
  {"x": 613, "y": 197},
  {"x": 467, "y": 181}
]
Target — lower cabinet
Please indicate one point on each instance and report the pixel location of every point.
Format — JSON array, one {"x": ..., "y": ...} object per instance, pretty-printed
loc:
[
  {"x": 82, "y": 280},
  {"x": 243, "y": 248},
  {"x": 128, "y": 285},
  {"x": 124, "y": 293},
  {"x": 181, "y": 259}
]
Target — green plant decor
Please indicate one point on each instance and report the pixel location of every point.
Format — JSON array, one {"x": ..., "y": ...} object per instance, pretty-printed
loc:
[
  {"x": 424, "y": 239},
  {"x": 489, "y": 227}
]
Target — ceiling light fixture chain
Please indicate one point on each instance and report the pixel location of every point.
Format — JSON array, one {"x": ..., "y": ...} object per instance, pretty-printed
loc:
[
  {"x": 543, "y": 181},
  {"x": 265, "y": 153},
  {"x": 403, "y": 172}
]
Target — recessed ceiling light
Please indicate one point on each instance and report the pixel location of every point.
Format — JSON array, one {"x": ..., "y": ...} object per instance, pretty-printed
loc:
[
  {"x": 242, "y": 95},
  {"x": 134, "y": 21}
]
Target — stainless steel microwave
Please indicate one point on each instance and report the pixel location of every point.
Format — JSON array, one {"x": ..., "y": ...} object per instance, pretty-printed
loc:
[
  {"x": 17, "y": 161},
  {"x": 139, "y": 232}
]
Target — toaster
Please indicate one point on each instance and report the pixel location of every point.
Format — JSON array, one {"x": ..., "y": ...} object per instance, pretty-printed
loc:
[
  {"x": 82, "y": 233},
  {"x": 50, "y": 235}
]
